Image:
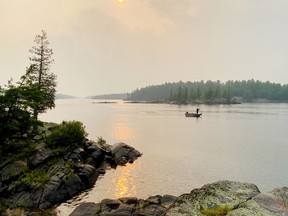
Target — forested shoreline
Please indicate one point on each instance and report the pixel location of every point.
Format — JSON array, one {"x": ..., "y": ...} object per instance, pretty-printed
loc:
[{"x": 212, "y": 91}]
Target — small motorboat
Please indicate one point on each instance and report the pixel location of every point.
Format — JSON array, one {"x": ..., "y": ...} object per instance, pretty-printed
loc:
[{"x": 196, "y": 115}]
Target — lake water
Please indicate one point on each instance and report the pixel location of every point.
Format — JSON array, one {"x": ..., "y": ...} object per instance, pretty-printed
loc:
[{"x": 245, "y": 142}]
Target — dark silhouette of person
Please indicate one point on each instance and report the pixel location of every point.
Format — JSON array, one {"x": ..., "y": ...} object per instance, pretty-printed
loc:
[{"x": 197, "y": 110}]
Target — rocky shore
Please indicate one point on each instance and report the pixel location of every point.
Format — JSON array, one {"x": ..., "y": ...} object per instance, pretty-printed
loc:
[
  {"x": 47, "y": 177},
  {"x": 216, "y": 199}
]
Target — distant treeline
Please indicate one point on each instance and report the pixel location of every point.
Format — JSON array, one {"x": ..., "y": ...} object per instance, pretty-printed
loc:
[
  {"x": 119, "y": 96},
  {"x": 64, "y": 96},
  {"x": 211, "y": 91}
]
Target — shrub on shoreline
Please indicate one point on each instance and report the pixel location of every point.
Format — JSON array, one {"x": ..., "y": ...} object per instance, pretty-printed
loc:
[{"x": 69, "y": 135}]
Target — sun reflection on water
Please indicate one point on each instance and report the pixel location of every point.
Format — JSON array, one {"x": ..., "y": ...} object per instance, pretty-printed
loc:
[
  {"x": 124, "y": 181},
  {"x": 122, "y": 132}
]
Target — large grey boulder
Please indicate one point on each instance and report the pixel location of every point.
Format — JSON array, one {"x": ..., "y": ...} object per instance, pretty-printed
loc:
[
  {"x": 60, "y": 187},
  {"x": 231, "y": 199},
  {"x": 219, "y": 196},
  {"x": 251, "y": 208},
  {"x": 281, "y": 193},
  {"x": 13, "y": 170},
  {"x": 274, "y": 203},
  {"x": 167, "y": 200},
  {"x": 87, "y": 209},
  {"x": 74, "y": 185},
  {"x": 23, "y": 199},
  {"x": 95, "y": 151},
  {"x": 87, "y": 173},
  {"x": 152, "y": 210},
  {"x": 123, "y": 153},
  {"x": 50, "y": 191},
  {"x": 41, "y": 156},
  {"x": 271, "y": 202}
]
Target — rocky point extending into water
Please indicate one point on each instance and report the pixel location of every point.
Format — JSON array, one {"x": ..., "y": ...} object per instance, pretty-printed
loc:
[{"x": 48, "y": 177}]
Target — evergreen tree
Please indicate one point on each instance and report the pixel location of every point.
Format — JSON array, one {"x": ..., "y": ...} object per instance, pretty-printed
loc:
[{"x": 38, "y": 76}]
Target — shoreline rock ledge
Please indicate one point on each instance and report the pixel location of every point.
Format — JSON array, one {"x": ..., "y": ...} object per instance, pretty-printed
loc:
[
  {"x": 216, "y": 199},
  {"x": 62, "y": 177}
]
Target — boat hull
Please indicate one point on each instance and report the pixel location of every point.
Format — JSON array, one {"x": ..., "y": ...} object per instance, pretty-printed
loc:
[{"x": 196, "y": 115}]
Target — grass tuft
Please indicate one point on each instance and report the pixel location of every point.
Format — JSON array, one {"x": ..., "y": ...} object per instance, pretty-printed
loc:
[{"x": 219, "y": 210}]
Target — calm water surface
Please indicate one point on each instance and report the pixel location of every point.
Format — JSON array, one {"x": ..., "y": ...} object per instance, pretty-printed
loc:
[{"x": 246, "y": 142}]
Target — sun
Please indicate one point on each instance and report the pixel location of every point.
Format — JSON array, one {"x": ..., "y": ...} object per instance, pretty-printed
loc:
[{"x": 120, "y": 1}]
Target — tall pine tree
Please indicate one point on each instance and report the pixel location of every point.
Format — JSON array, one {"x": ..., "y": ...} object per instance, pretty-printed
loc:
[{"x": 38, "y": 76}]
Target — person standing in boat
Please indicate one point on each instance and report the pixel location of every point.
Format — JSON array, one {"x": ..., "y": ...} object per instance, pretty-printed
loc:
[{"x": 197, "y": 110}]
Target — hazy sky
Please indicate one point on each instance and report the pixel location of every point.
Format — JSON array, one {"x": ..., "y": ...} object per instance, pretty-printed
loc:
[{"x": 109, "y": 46}]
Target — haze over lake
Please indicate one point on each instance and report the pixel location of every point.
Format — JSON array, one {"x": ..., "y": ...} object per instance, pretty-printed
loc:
[{"x": 245, "y": 142}]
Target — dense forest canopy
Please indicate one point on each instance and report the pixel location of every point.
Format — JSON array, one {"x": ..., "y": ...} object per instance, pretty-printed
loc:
[{"x": 183, "y": 92}]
